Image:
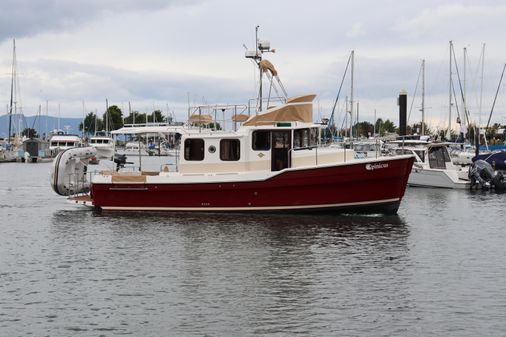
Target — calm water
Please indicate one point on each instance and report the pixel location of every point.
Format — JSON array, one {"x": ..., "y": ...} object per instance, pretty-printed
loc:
[{"x": 436, "y": 269}]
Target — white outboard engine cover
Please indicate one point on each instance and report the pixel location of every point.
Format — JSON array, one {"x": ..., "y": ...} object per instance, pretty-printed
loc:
[{"x": 68, "y": 172}]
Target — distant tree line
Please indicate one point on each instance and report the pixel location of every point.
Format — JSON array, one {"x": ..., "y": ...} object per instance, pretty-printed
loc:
[{"x": 115, "y": 120}]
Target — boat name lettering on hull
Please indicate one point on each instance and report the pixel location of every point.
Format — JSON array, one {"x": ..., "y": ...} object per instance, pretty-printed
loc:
[{"x": 372, "y": 167}]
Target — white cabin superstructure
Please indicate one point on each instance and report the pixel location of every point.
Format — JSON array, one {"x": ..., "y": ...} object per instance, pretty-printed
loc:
[
  {"x": 60, "y": 141},
  {"x": 104, "y": 146},
  {"x": 263, "y": 148}
]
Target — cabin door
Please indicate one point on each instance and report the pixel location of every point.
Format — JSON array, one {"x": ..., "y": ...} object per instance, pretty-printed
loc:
[{"x": 281, "y": 150}]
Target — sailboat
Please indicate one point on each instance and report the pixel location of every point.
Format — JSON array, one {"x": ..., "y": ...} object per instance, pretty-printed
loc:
[
  {"x": 8, "y": 147},
  {"x": 433, "y": 166},
  {"x": 495, "y": 158}
]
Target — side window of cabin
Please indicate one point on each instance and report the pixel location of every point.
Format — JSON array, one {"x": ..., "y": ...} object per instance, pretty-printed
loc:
[
  {"x": 230, "y": 149},
  {"x": 313, "y": 137},
  {"x": 301, "y": 139},
  {"x": 194, "y": 149},
  {"x": 261, "y": 140},
  {"x": 421, "y": 155}
]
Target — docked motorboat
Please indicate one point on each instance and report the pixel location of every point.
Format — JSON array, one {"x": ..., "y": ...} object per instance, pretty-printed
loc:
[
  {"x": 160, "y": 141},
  {"x": 60, "y": 141},
  {"x": 35, "y": 150},
  {"x": 103, "y": 144},
  {"x": 6, "y": 152},
  {"x": 7, "y": 155},
  {"x": 367, "y": 148},
  {"x": 433, "y": 166},
  {"x": 133, "y": 149}
]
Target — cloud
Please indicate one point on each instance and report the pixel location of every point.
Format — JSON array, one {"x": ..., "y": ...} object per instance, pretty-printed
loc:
[
  {"x": 356, "y": 30},
  {"x": 454, "y": 21},
  {"x": 69, "y": 84},
  {"x": 161, "y": 50},
  {"x": 22, "y": 18}
]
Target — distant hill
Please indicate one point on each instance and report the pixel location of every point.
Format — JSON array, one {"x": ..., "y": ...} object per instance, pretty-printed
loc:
[{"x": 38, "y": 123}]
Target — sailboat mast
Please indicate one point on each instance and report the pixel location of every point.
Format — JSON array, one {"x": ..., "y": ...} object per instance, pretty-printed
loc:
[
  {"x": 481, "y": 84},
  {"x": 260, "y": 69},
  {"x": 374, "y": 125},
  {"x": 464, "y": 97},
  {"x": 84, "y": 118},
  {"x": 423, "y": 97},
  {"x": 106, "y": 117},
  {"x": 346, "y": 117},
  {"x": 351, "y": 93},
  {"x": 38, "y": 120},
  {"x": 13, "y": 74},
  {"x": 47, "y": 116},
  {"x": 130, "y": 112},
  {"x": 448, "y": 135}
]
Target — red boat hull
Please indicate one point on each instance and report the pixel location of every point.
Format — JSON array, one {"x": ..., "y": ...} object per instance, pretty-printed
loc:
[{"x": 376, "y": 187}]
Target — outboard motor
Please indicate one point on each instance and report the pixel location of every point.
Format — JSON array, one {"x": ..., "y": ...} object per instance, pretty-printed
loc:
[
  {"x": 483, "y": 174},
  {"x": 120, "y": 160}
]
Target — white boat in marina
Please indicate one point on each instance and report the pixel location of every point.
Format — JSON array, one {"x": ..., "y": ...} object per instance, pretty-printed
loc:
[
  {"x": 103, "y": 144},
  {"x": 133, "y": 149},
  {"x": 6, "y": 152},
  {"x": 161, "y": 140},
  {"x": 60, "y": 141},
  {"x": 367, "y": 148},
  {"x": 34, "y": 150},
  {"x": 433, "y": 166}
]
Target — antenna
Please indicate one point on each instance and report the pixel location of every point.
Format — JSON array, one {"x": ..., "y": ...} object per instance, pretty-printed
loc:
[{"x": 261, "y": 46}]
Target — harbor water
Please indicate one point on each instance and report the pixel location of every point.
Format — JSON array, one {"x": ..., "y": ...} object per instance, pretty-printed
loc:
[{"x": 436, "y": 269}]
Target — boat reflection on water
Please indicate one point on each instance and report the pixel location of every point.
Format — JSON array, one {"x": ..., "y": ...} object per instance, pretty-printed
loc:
[{"x": 283, "y": 227}]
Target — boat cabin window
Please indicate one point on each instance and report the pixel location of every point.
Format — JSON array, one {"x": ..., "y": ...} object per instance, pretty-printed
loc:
[
  {"x": 305, "y": 138},
  {"x": 420, "y": 154},
  {"x": 261, "y": 140},
  {"x": 437, "y": 157},
  {"x": 402, "y": 151},
  {"x": 194, "y": 149},
  {"x": 300, "y": 139},
  {"x": 63, "y": 144},
  {"x": 230, "y": 149},
  {"x": 100, "y": 141},
  {"x": 313, "y": 137}
]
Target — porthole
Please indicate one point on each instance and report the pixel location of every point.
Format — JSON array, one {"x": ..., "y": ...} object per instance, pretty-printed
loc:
[{"x": 212, "y": 149}]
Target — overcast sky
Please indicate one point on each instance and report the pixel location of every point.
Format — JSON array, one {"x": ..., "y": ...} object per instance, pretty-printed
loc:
[{"x": 156, "y": 53}]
